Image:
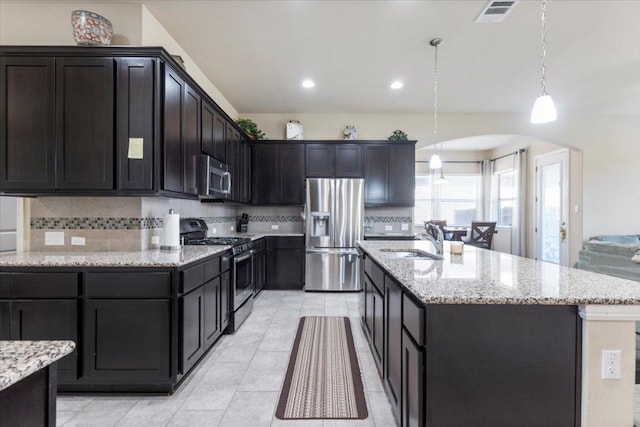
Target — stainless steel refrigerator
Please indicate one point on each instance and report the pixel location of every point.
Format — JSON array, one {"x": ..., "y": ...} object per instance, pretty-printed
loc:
[{"x": 334, "y": 217}]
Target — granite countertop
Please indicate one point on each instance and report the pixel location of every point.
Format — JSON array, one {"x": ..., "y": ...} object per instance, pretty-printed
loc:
[
  {"x": 19, "y": 359},
  {"x": 148, "y": 258},
  {"x": 481, "y": 276}
]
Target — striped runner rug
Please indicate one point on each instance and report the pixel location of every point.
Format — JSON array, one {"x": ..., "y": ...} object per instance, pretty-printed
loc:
[{"x": 323, "y": 378}]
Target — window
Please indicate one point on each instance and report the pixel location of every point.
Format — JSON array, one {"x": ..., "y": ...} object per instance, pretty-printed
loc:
[
  {"x": 457, "y": 202},
  {"x": 505, "y": 197}
]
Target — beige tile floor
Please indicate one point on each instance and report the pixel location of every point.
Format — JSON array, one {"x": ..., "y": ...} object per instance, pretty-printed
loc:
[{"x": 238, "y": 382}]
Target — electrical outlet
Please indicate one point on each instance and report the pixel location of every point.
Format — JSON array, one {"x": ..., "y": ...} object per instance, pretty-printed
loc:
[
  {"x": 232, "y": 228},
  {"x": 155, "y": 240},
  {"x": 275, "y": 226},
  {"x": 54, "y": 238},
  {"x": 611, "y": 364},
  {"x": 388, "y": 227},
  {"x": 213, "y": 230},
  {"x": 405, "y": 227},
  {"x": 78, "y": 241}
]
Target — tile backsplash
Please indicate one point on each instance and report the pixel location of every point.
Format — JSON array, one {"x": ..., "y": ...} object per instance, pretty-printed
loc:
[
  {"x": 388, "y": 220},
  {"x": 129, "y": 223}
]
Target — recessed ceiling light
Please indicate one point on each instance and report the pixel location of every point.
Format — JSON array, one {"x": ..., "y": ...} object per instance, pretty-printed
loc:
[
  {"x": 308, "y": 83},
  {"x": 397, "y": 85}
]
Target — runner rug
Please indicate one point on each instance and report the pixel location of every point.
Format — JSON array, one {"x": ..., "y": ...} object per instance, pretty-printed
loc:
[{"x": 323, "y": 378}]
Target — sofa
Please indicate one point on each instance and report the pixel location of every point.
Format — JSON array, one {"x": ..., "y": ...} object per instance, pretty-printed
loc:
[{"x": 612, "y": 255}]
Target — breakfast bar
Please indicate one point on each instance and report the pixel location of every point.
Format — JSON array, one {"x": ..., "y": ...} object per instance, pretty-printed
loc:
[{"x": 487, "y": 335}]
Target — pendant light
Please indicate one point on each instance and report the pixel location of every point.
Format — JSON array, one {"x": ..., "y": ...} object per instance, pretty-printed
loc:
[
  {"x": 441, "y": 179},
  {"x": 435, "y": 162},
  {"x": 544, "y": 110}
]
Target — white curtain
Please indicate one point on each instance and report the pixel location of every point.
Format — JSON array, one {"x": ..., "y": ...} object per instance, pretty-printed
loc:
[
  {"x": 487, "y": 194},
  {"x": 518, "y": 224}
]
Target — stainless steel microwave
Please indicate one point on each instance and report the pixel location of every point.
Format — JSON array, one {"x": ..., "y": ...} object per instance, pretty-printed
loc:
[{"x": 215, "y": 179}]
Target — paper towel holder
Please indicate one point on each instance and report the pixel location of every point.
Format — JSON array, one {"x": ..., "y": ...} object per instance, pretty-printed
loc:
[{"x": 170, "y": 247}]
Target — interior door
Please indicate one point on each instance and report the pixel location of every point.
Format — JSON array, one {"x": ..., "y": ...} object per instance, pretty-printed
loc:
[{"x": 552, "y": 207}]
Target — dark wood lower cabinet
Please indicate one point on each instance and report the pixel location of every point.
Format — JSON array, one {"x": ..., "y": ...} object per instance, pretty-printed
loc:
[
  {"x": 413, "y": 360},
  {"x": 127, "y": 341},
  {"x": 5, "y": 320},
  {"x": 192, "y": 308},
  {"x": 212, "y": 299},
  {"x": 285, "y": 263},
  {"x": 223, "y": 311},
  {"x": 31, "y": 401},
  {"x": 378, "y": 327},
  {"x": 48, "y": 320},
  {"x": 393, "y": 344}
]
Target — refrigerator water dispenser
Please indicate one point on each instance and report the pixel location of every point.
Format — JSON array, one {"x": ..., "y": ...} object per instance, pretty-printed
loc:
[{"x": 320, "y": 224}]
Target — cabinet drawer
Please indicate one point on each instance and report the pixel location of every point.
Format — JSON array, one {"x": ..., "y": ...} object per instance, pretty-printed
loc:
[
  {"x": 44, "y": 285},
  {"x": 413, "y": 319},
  {"x": 5, "y": 285},
  {"x": 258, "y": 245},
  {"x": 225, "y": 262},
  {"x": 128, "y": 285},
  {"x": 285, "y": 243},
  {"x": 211, "y": 269},
  {"x": 375, "y": 273},
  {"x": 191, "y": 278}
]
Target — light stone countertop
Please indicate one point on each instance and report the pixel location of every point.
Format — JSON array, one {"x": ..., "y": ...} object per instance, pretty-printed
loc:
[
  {"x": 481, "y": 276},
  {"x": 148, "y": 258},
  {"x": 19, "y": 359}
]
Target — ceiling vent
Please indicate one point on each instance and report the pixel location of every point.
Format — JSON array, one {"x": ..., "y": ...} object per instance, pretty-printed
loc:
[{"x": 496, "y": 11}]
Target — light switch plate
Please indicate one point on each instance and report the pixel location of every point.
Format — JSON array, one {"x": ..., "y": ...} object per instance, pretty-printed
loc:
[
  {"x": 213, "y": 230},
  {"x": 275, "y": 226},
  {"x": 155, "y": 240},
  {"x": 388, "y": 227},
  {"x": 54, "y": 238},
  {"x": 78, "y": 241},
  {"x": 405, "y": 227}
]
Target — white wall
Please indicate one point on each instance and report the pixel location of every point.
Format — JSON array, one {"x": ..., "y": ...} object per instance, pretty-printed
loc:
[
  {"x": 49, "y": 23},
  {"x": 8, "y": 224},
  {"x": 609, "y": 145}
]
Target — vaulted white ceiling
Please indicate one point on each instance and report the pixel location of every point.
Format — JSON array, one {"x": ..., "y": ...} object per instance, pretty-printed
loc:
[{"x": 258, "y": 52}]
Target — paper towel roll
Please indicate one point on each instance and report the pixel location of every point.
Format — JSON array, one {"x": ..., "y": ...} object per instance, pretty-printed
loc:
[{"x": 171, "y": 231}]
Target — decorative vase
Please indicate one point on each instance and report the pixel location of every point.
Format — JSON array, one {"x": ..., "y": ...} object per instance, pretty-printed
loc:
[{"x": 91, "y": 29}]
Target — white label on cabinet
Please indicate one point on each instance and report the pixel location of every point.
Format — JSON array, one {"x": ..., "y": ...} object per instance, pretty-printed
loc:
[
  {"x": 136, "y": 148},
  {"x": 54, "y": 238}
]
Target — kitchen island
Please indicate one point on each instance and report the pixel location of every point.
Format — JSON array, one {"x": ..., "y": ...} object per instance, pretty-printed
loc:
[
  {"x": 28, "y": 379},
  {"x": 487, "y": 338}
]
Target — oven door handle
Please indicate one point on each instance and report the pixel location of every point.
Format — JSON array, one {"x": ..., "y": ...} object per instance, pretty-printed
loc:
[{"x": 243, "y": 257}]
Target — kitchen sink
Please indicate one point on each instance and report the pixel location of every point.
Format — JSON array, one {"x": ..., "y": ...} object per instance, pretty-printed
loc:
[{"x": 410, "y": 254}]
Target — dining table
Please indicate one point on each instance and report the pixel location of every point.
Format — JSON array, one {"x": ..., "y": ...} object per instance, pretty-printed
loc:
[{"x": 455, "y": 233}]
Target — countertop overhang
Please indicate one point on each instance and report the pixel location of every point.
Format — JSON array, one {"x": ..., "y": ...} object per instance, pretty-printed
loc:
[{"x": 481, "y": 276}]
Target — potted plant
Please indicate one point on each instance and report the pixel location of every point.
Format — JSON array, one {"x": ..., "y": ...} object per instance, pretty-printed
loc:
[
  {"x": 251, "y": 129},
  {"x": 398, "y": 135}
]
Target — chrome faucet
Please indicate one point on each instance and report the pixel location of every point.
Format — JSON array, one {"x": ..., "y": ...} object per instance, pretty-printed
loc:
[{"x": 437, "y": 241}]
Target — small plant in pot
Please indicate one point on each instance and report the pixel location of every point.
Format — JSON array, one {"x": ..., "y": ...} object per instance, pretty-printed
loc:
[
  {"x": 251, "y": 129},
  {"x": 398, "y": 135}
]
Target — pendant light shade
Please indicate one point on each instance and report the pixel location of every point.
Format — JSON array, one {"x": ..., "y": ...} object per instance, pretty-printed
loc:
[
  {"x": 544, "y": 110},
  {"x": 435, "y": 162}
]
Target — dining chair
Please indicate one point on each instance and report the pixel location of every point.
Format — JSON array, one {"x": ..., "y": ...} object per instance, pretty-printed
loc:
[
  {"x": 481, "y": 234},
  {"x": 441, "y": 225}
]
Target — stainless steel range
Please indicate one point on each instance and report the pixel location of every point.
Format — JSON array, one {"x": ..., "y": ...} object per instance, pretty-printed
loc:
[{"x": 194, "y": 232}]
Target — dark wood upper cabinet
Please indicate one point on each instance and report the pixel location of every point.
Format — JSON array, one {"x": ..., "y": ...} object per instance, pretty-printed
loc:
[
  {"x": 84, "y": 123},
  {"x": 191, "y": 140},
  {"x": 291, "y": 174},
  {"x": 214, "y": 133},
  {"x": 135, "y": 119},
  {"x": 265, "y": 174},
  {"x": 27, "y": 130},
  {"x": 173, "y": 151},
  {"x": 376, "y": 174},
  {"x": 320, "y": 160},
  {"x": 348, "y": 161},
  {"x": 402, "y": 176}
]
